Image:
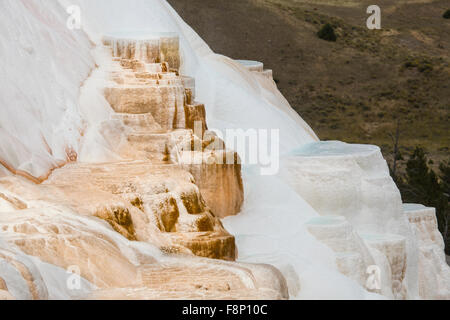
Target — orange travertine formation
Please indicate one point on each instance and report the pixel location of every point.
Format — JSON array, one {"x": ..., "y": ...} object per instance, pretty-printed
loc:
[
  {"x": 169, "y": 190},
  {"x": 164, "y": 123}
]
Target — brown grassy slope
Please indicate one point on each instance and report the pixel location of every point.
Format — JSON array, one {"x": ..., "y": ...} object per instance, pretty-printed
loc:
[{"x": 352, "y": 90}]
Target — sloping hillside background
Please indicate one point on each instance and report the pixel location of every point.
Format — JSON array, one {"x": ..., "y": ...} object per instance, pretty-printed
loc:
[{"x": 357, "y": 89}]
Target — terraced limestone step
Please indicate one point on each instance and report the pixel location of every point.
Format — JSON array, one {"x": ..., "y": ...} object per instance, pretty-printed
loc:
[
  {"x": 165, "y": 103},
  {"x": 139, "y": 122},
  {"x": 342, "y": 179},
  {"x": 256, "y": 67},
  {"x": 394, "y": 249},
  {"x": 352, "y": 257},
  {"x": 156, "y": 105},
  {"x": 200, "y": 280},
  {"x": 59, "y": 229},
  {"x": 217, "y": 168},
  {"x": 144, "y": 201},
  {"x": 149, "y": 48},
  {"x": 189, "y": 84},
  {"x": 133, "y": 227},
  {"x": 432, "y": 285}
]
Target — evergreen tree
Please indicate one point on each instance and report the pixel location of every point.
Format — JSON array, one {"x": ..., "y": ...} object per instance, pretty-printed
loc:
[
  {"x": 422, "y": 186},
  {"x": 444, "y": 167}
]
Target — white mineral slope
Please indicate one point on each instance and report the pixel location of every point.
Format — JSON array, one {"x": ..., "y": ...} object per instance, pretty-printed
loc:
[
  {"x": 353, "y": 181},
  {"x": 42, "y": 67},
  {"x": 237, "y": 98},
  {"x": 46, "y": 119},
  {"x": 233, "y": 96},
  {"x": 271, "y": 228}
]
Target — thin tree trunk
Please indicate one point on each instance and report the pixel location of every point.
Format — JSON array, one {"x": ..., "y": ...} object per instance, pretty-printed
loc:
[{"x": 395, "y": 140}]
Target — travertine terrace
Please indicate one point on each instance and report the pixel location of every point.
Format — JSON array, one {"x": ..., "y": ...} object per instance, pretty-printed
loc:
[
  {"x": 256, "y": 67},
  {"x": 116, "y": 182},
  {"x": 164, "y": 123},
  {"x": 169, "y": 190},
  {"x": 432, "y": 284}
]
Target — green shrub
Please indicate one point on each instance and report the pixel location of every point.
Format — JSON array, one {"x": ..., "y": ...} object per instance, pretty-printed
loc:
[
  {"x": 422, "y": 64},
  {"x": 447, "y": 14},
  {"x": 327, "y": 33}
]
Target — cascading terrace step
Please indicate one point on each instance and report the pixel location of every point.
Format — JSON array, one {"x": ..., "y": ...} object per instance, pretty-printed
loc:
[
  {"x": 352, "y": 258},
  {"x": 394, "y": 249},
  {"x": 163, "y": 121}
]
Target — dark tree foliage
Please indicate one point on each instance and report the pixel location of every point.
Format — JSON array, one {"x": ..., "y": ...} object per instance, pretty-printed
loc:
[
  {"x": 327, "y": 33},
  {"x": 447, "y": 14},
  {"x": 422, "y": 185},
  {"x": 445, "y": 178},
  {"x": 444, "y": 168}
]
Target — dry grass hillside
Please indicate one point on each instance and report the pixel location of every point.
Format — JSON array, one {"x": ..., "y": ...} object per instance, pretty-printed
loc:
[{"x": 354, "y": 89}]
